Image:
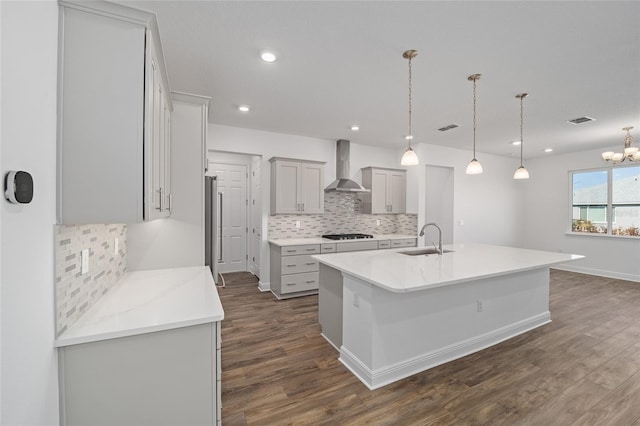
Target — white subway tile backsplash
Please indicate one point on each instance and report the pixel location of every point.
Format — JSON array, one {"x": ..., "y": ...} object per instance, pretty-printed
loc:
[{"x": 75, "y": 293}]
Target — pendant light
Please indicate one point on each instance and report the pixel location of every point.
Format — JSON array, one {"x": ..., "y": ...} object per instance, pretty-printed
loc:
[
  {"x": 474, "y": 167},
  {"x": 409, "y": 158},
  {"x": 521, "y": 172}
]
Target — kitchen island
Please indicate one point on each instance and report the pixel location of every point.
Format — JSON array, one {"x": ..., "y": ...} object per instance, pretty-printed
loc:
[{"x": 391, "y": 315}]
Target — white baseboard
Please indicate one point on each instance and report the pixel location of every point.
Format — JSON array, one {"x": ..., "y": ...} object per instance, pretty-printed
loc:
[
  {"x": 330, "y": 342},
  {"x": 598, "y": 272},
  {"x": 264, "y": 286},
  {"x": 375, "y": 379}
]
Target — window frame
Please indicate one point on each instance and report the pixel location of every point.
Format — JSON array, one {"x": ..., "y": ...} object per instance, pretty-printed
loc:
[{"x": 609, "y": 206}]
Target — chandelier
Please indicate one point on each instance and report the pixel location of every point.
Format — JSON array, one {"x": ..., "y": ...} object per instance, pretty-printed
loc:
[
  {"x": 409, "y": 158},
  {"x": 631, "y": 153}
]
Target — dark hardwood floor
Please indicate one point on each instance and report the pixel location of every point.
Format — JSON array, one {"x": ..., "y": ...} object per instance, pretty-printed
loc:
[{"x": 582, "y": 369}]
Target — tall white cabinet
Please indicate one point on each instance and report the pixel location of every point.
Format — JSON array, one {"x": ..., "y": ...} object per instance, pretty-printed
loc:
[
  {"x": 388, "y": 190},
  {"x": 114, "y": 116},
  {"x": 297, "y": 186}
]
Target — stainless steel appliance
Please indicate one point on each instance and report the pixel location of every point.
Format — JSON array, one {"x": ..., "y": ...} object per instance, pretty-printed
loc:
[
  {"x": 212, "y": 225},
  {"x": 346, "y": 236}
]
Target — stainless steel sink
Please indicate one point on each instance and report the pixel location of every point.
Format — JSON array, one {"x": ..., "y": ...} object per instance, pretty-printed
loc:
[{"x": 426, "y": 251}]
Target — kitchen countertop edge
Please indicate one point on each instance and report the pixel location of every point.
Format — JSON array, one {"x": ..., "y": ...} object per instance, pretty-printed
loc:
[
  {"x": 167, "y": 299},
  {"x": 283, "y": 242}
]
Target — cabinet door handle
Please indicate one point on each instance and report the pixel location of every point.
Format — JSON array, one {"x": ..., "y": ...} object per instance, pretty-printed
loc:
[
  {"x": 309, "y": 282},
  {"x": 291, "y": 251},
  {"x": 311, "y": 249},
  {"x": 291, "y": 266},
  {"x": 310, "y": 263},
  {"x": 159, "y": 191},
  {"x": 291, "y": 283},
  {"x": 170, "y": 198},
  {"x": 303, "y": 207}
]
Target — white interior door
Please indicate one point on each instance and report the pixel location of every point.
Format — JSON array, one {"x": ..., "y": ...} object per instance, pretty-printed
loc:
[{"x": 232, "y": 187}]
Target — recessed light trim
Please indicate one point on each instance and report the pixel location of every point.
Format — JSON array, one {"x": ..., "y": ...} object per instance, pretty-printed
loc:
[
  {"x": 355, "y": 128},
  {"x": 244, "y": 108},
  {"x": 268, "y": 56},
  {"x": 548, "y": 150}
]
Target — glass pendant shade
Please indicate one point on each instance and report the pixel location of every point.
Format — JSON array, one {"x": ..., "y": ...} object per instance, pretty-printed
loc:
[
  {"x": 636, "y": 156},
  {"x": 474, "y": 167},
  {"x": 521, "y": 173},
  {"x": 409, "y": 158},
  {"x": 618, "y": 156}
]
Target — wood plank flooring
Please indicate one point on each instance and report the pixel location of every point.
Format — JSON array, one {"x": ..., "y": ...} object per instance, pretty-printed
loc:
[{"x": 582, "y": 369}]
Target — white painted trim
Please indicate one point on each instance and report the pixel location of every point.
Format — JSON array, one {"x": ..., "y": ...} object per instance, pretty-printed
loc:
[
  {"x": 190, "y": 97},
  {"x": 263, "y": 287},
  {"x": 330, "y": 342},
  {"x": 375, "y": 379},
  {"x": 598, "y": 272}
]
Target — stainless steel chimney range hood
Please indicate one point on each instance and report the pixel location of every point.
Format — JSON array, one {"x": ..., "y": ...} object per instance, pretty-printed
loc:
[{"x": 342, "y": 182}]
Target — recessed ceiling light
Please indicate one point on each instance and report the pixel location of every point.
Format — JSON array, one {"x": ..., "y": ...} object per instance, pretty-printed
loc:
[
  {"x": 268, "y": 56},
  {"x": 516, "y": 143},
  {"x": 355, "y": 128},
  {"x": 244, "y": 108},
  {"x": 548, "y": 150}
]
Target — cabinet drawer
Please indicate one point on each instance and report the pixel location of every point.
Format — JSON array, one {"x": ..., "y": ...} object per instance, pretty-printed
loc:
[
  {"x": 357, "y": 246},
  {"x": 385, "y": 244},
  {"x": 328, "y": 248},
  {"x": 403, "y": 242},
  {"x": 296, "y": 250},
  {"x": 298, "y": 264},
  {"x": 299, "y": 282}
]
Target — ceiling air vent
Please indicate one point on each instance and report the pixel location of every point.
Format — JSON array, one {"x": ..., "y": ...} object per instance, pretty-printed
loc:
[
  {"x": 581, "y": 120},
  {"x": 449, "y": 127}
]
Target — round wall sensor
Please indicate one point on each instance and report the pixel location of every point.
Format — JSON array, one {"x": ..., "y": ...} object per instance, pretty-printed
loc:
[{"x": 18, "y": 187}]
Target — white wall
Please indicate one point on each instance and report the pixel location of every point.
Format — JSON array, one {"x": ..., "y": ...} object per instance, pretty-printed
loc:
[
  {"x": 489, "y": 204},
  {"x": 29, "y": 37},
  {"x": 177, "y": 241},
  {"x": 547, "y": 219}
]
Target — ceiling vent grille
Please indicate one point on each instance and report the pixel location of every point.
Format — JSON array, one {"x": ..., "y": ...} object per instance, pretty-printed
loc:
[
  {"x": 449, "y": 127},
  {"x": 581, "y": 120}
]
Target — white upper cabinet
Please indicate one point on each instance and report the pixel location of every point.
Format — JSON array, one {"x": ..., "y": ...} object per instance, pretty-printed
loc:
[
  {"x": 114, "y": 115},
  {"x": 297, "y": 186},
  {"x": 388, "y": 190}
]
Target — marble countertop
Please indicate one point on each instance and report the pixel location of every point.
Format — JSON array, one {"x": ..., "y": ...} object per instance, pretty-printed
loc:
[
  {"x": 397, "y": 272},
  {"x": 282, "y": 242},
  {"x": 148, "y": 301}
]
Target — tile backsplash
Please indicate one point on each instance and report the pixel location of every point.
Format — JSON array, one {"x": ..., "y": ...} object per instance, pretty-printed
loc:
[
  {"x": 75, "y": 293},
  {"x": 341, "y": 215}
]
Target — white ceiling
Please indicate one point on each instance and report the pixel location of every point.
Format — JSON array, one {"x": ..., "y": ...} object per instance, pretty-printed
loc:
[{"x": 340, "y": 63}]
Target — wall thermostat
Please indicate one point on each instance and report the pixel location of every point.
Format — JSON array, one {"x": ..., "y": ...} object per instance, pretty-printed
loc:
[{"x": 18, "y": 187}]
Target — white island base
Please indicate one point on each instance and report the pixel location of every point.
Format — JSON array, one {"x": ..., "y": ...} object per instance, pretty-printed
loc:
[{"x": 385, "y": 335}]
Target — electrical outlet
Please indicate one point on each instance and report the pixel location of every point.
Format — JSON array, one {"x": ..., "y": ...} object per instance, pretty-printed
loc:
[
  {"x": 116, "y": 246},
  {"x": 84, "y": 261},
  {"x": 356, "y": 301},
  {"x": 377, "y": 222},
  {"x": 461, "y": 222},
  {"x": 480, "y": 307},
  {"x": 298, "y": 224}
]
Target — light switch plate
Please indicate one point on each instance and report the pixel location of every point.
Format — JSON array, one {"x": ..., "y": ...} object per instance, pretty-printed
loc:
[
  {"x": 85, "y": 261},
  {"x": 298, "y": 224}
]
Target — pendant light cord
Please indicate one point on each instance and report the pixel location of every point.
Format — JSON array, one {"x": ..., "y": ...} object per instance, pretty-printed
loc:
[
  {"x": 410, "y": 134},
  {"x": 521, "y": 126},
  {"x": 474, "y": 118}
]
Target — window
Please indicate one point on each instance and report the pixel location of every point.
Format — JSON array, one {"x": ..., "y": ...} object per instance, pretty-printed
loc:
[{"x": 606, "y": 201}]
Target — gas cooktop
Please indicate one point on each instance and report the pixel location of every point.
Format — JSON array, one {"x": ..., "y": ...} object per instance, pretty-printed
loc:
[{"x": 346, "y": 236}]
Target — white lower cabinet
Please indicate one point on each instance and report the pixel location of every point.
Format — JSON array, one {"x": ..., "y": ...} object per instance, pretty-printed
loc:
[
  {"x": 167, "y": 377},
  {"x": 294, "y": 273}
]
